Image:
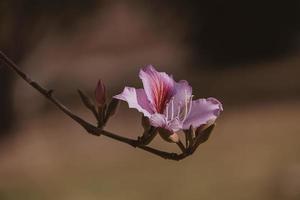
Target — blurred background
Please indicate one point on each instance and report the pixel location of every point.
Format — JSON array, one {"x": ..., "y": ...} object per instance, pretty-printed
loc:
[{"x": 245, "y": 53}]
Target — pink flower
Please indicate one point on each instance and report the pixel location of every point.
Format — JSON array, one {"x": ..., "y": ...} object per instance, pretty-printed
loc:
[{"x": 168, "y": 104}]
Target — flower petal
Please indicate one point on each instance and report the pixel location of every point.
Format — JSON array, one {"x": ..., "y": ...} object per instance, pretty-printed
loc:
[
  {"x": 174, "y": 125},
  {"x": 203, "y": 111},
  {"x": 159, "y": 87},
  {"x": 181, "y": 98},
  {"x": 158, "y": 120},
  {"x": 136, "y": 98},
  {"x": 183, "y": 91}
]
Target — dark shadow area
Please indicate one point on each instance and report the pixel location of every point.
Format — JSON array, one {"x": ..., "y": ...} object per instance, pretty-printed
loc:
[{"x": 227, "y": 33}]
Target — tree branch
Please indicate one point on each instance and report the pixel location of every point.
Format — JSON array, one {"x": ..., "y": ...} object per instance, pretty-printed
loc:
[{"x": 86, "y": 125}]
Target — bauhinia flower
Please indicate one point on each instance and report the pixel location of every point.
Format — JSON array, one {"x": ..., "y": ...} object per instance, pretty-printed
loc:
[
  {"x": 167, "y": 107},
  {"x": 169, "y": 104}
]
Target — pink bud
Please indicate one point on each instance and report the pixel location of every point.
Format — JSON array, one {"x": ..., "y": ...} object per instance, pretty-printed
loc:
[
  {"x": 174, "y": 137},
  {"x": 168, "y": 135},
  {"x": 100, "y": 93}
]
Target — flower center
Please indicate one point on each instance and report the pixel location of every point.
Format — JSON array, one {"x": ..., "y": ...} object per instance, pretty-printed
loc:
[
  {"x": 186, "y": 108},
  {"x": 162, "y": 94},
  {"x": 179, "y": 111}
]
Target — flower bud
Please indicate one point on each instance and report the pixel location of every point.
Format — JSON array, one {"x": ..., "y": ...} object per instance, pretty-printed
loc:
[
  {"x": 202, "y": 135},
  {"x": 174, "y": 138},
  {"x": 201, "y": 128},
  {"x": 100, "y": 93},
  {"x": 168, "y": 135}
]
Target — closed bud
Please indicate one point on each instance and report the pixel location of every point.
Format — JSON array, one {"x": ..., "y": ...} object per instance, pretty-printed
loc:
[
  {"x": 203, "y": 133},
  {"x": 174, "y": 138},
  {"x": 168, "y": 135},
  {"x": 100, "y": 93},
  {"x": 201, "y": 128}
]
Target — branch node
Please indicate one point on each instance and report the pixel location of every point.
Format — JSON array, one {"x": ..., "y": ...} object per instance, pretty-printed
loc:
[{"x": 50, "y": 92}]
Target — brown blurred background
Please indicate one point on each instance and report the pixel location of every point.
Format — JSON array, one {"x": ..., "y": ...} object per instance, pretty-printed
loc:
[{"x": 245, "y": 53}]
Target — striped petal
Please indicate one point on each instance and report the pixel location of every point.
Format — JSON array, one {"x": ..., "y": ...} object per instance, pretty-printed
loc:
[{"x": 159, "y": 87}]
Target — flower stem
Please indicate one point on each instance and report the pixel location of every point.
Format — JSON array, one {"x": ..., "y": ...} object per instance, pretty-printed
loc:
[{"x": 90, "y": 128}]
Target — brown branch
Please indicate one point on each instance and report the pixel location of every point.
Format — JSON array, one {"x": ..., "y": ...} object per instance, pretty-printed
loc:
[{"x": 88, "y": 126}]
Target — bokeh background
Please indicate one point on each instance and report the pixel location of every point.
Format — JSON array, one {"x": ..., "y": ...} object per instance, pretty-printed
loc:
[{"x": 245, "y": 53}]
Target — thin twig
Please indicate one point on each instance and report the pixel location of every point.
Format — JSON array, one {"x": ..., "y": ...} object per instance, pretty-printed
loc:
[{"x": 86, "y": 125}]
